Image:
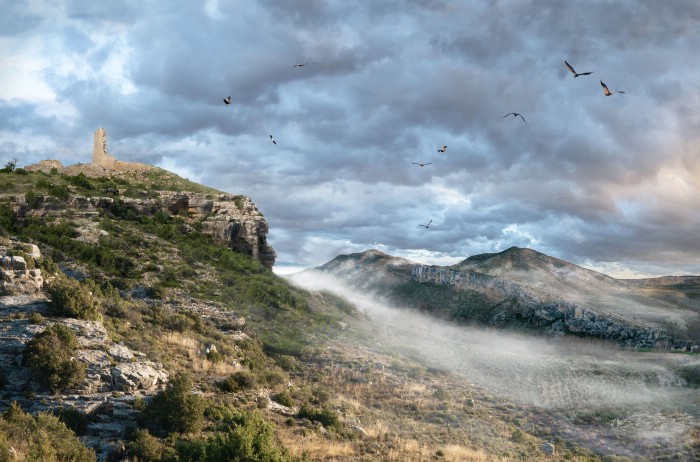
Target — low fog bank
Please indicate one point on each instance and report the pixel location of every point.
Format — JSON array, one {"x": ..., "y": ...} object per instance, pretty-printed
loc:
[{"x": 568, "y": 375}]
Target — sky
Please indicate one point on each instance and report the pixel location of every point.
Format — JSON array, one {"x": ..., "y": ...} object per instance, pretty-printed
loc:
[{"x": 607, "y": 182}]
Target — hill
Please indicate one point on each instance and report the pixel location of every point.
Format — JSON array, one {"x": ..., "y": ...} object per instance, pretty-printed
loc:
[
  {"x": 523, "y": 288},
  {"x": 139, "y": 320}
]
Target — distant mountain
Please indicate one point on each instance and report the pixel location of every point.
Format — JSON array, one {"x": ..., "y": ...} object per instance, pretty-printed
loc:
[{"x": 523, "y": 288}]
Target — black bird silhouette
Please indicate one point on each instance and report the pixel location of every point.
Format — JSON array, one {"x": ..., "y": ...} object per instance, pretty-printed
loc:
[
  {"x": 227, "y": 100},
  {"x": 607, "y": 91},
  {"x": 443, "y": 149},
  {"x": 576, "y": 74},
  {"x": 273, "y": 140},
  {"x": 421, "y": 165},
  {"x": 514, "y": 114},
  {"x": 427, "y": 226},
  {"x": 300, "y": 65}
]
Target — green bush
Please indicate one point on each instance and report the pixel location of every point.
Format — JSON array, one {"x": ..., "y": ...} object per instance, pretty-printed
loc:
[
  {"x": 174, "y": 410},
  {"x": 35, "y": 318},
  {"x": 241, "y": 380},
  {"x": 70, "y": 298},
  {"x": 145, "y": 448},
  {"x": 32, "y": 199},
  {"x": 8, "y": 220},
  {"x": 59, "y": 191},
  {"x": 45, "y": 438},
  {"x": 49, "y": 356},
  {"x": 248, "y": 439},
  {"x": 284, "y": 398},
  {"x": 324, "y": 415},
  {"x": 73, "y": 419},
  {"x": 81, "y": 181}
]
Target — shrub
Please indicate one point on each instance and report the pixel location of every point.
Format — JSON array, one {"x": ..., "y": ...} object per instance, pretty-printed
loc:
[
  {"x": 49, "y": 356},
  {"x": 81, "y": 181},
  {"x": 73, "y": 419},
  {"x": 249, "y": 439},
  {"x": 70, "y": 298},
  {"x": 45, "y": 438},
  {"x": 8, "y": 220},
  {"x": 324, "y": 415},
  {"x": 175, "y": 410},
  {"x": 284, "y": 398},
  {"x": 59, "y": 191},
  {"x": 32, "y": 199},
  {"x": 145, "y": 447},
  {"x": 36, "y": 318},
  {"x": 237, "y": 381}
]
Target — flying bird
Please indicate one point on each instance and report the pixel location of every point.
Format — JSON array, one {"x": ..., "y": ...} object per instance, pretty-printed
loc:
[
  {"x": 273, "y": 140},
  {"x": 514, "y": 114},
  {"x": 443, "y": 149},
  {"x": 300, "y": 65},
  {"x": 607, "y": 91},
  {"x": 576, "y": 74},
  {"x": 426, "y": 226},
  {"x": 227, "y": 100},
  {"x": 421, "y": 165}
]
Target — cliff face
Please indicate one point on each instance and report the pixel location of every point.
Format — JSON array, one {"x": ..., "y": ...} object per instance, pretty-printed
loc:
[
  {"x": 556, "y": 317},
  {"x": 522, "y": 287},
  {"x": 233, "y": 220}
]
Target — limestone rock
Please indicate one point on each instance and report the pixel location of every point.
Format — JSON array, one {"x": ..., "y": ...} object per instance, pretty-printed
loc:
[{"x": 144, "y": 375}]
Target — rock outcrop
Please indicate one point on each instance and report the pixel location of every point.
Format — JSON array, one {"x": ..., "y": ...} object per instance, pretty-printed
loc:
[
  {"x": 17, "y": 273},
  {"x": 533, "y": 306},
  {"x": 230, "y": 219}
]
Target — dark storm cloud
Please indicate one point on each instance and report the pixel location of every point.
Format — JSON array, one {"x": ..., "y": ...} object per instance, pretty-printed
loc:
[{"x": 589, "y": 178}]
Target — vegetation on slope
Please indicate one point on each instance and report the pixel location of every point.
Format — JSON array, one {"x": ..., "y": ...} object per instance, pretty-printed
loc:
[{"x": 162, "y": 287}]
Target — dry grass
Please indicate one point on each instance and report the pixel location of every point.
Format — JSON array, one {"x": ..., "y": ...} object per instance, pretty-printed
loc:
[
  {"x": 316, "y": 447},
  {"x": 455, "y": 452},
  {"x": 187, "y": 343}
]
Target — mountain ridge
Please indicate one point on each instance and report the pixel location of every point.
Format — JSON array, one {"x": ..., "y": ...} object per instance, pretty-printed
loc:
[{"x": 524, "y": 287}]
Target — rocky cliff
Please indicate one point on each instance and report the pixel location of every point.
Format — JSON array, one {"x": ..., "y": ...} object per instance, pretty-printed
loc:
[
  {"x": 232, "y": 219},
  {"x": 522, "y": 287}
]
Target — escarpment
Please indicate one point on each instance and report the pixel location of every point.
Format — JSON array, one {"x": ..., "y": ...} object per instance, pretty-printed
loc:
[
  {"x": 522, "y": 288},
  {"x": 231, "y": 219}
]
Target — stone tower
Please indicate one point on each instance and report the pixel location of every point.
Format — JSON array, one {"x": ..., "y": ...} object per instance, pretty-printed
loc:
[{"x": 99, "y": 149}]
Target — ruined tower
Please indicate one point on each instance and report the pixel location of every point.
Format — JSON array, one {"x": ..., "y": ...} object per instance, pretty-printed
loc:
[{"x": 99, "y": 149}]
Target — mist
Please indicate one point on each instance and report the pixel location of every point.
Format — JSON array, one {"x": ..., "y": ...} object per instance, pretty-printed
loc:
[{"x": 565, "y": 375}]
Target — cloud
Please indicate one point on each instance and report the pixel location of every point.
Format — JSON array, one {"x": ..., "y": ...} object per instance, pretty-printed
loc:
[{"x": 589, "y": 178}]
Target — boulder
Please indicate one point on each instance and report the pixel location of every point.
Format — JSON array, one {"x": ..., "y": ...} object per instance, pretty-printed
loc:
[
  {"x": 138, "y": 376},
  {"x": 33, "y": 251},
  {"x": 120, "y": 352},
  {"x": 547, "y": 448}
]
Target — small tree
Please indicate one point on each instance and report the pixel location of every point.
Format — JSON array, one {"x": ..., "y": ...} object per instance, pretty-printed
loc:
[
  {"x": 70, "y": 298},
  {"x": 49, "y": 355},
  {"x": 9, "y": 167},
  {"x": 176, "y": 409}
]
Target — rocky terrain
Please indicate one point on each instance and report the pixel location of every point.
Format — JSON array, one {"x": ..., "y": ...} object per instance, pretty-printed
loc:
[
  {"x": 115, "y": 374},
  {"x": 190, "y": 345},
  {"x": 524, "y": 288},
  {"x": 233, "y": 220}
]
